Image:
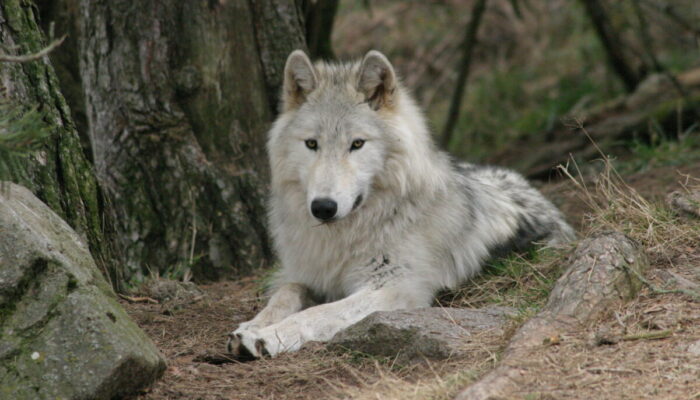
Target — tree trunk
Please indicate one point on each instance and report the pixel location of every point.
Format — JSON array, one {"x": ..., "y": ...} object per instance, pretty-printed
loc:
[
  {"x": 319, "y": 17},
  {"x": 468, "y": 44},
  {"x": 611, "y": 41},
  {"x": 179, "y": 95},
  {"x": 278, "y": 26},
  {"x": 58, "y": 173}
]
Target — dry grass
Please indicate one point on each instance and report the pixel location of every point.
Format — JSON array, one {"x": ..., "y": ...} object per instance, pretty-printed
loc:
[
  {"x": 614, "y": 205},
  {"x": 437, "y": 387},
  {"x": 521, "y": 281}
]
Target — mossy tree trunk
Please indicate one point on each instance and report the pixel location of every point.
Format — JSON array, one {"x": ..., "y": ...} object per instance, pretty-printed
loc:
[
  {"x": 58, "y": 173},
  {"x": 63, "y": 16},
  {"x": 179, "y": 95}
]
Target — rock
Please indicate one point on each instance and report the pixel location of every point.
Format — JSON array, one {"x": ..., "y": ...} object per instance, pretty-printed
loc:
[
  {"x": 170, "y": 291},
  {"x": 411, "y": 335},
  {"x": 62, "y": 332},
  {"x": 687, "y": 203},
  {"x": 694, "y": 348}
]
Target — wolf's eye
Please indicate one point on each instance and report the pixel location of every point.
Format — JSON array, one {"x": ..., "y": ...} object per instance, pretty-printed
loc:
[
  {"x": 311, "y": 144},
  {"x": 357, "y": 144}
]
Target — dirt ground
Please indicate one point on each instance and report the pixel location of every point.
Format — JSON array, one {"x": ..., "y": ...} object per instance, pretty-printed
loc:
[
  {"x": 193, "y": 330},
  {"x": 581, "y": 366}
]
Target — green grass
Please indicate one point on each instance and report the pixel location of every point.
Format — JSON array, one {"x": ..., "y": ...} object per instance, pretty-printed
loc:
[
  {"x": 265, "y": 281},
  {"x": 528, "y": 71},
  {"x": 663, "y": 150},
  {"x": 522, "y": 281}
]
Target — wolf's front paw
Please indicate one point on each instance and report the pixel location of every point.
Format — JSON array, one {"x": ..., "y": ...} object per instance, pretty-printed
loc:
[
  {"x": 246, "y": 345},
  {"x": 236, "y": 348}
]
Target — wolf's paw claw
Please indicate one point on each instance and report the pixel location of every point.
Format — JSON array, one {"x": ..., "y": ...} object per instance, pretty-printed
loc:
[
  {"x": 260, "y": 348},
  {"x": 237, "y": 349},
  {"x": 233, "y": 342}
]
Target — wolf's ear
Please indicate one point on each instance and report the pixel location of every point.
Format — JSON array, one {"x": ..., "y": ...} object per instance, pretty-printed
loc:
[
  {"x": 299, "y": 80},
  {"x": 377, "y": 80}
]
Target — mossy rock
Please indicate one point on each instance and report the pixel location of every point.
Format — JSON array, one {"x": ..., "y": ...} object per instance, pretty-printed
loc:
[{"x": 63, "y": 335}]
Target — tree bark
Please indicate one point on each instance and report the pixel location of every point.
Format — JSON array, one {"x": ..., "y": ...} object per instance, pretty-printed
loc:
[
  {"x": 179, "y": 96},
  {"x": 58, "y": 173},
  {"x": 279, "y": 29},
  {"x": 62, "y": 16}
]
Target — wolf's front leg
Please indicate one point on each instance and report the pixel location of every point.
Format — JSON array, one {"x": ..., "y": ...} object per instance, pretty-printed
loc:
[
  {"x": 321, "y": 322},
  {"x": 288, "y": 299}
]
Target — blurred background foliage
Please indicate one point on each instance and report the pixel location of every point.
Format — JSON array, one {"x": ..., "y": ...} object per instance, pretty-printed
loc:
[
  {"x": 509, "y": 82},
  {"x": 535, "y": 62}
]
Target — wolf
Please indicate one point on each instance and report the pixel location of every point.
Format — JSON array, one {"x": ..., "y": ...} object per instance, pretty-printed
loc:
[{"x": 366, "y": 214}]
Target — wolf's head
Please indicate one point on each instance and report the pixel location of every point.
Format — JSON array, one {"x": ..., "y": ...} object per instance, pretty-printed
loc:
[{"x": 334, "y": 133}]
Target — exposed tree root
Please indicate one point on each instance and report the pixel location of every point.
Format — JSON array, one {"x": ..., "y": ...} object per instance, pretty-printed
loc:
[
  {"x": 600, "y": 274},
  {"x": 692, "y": 294}
]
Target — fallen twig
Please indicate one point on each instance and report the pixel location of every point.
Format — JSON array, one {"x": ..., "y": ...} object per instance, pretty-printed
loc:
[
  {"x": 654, "y": 289},
  {"x": 599, "y": 370},
  {"x": 139, "y": 299},
  {"x": 648, "y": 335}
]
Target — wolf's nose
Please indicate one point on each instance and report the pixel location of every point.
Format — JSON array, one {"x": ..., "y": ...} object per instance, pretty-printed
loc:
[{"x": 324, "y": 209}]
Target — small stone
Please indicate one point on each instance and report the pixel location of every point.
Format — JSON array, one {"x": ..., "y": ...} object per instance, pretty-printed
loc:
[{"x": 694, "y": 348}]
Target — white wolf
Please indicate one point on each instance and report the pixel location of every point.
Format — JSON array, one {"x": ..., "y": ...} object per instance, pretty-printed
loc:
[{"x": 365, "y": 213}]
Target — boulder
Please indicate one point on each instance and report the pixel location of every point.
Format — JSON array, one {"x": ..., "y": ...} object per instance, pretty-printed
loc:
[
  {"x": 412, "y": 335},
  {"x": 62, "y": 332}
]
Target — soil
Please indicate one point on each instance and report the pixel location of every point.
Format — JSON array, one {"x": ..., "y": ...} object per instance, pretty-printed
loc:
[
  {"x": 190, "y": 332},
  {"x": 577, "y": 367}
]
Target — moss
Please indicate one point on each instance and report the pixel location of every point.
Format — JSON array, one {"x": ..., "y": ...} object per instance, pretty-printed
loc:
[
  {"x": 65, "y": 181},
  {"x": 15, "y": 295}
]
